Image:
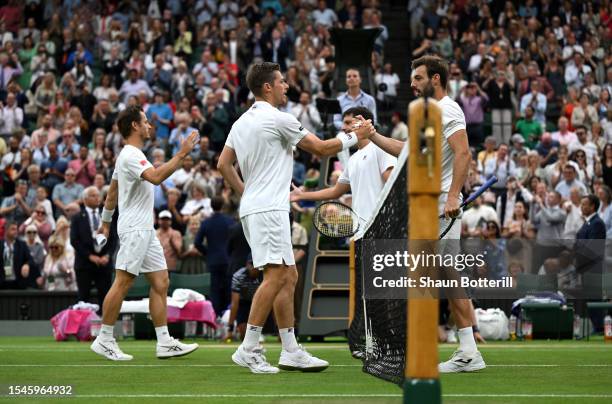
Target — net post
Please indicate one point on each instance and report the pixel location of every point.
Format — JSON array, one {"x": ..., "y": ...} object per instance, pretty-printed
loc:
[
  {"x": 422, "y": 383},
  {"x": 351, "y": 282}
]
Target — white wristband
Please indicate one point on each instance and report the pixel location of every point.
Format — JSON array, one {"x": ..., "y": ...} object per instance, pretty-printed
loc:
[
  {"x": 107, "y": 215},
  {"x": 348, "y": 140}
]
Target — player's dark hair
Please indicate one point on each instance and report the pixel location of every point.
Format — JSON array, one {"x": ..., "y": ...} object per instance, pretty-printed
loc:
[
  {"x": 363, "y": 111},
  {"x": 260, "y": 74},
  {"x": 593, "y": 200},
  {"x": 217, "y": 203},
  {"x": 434, "y": 65},
  {"x": 125, "y": 119}
]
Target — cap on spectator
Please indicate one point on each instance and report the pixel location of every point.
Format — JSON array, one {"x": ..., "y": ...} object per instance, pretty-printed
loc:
[
  {"x": 517, "y": 137},
  {"x": 165, "y": 214}
]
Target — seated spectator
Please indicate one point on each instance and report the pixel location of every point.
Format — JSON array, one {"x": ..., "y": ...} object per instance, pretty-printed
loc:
[
  {"x": 19, "y": 269},
  {"x": 198, "y": 203},
  {"x": 66, "y": 192},
  {"x": 58, "y": 271},
  {"x": 17, "y": 208}
]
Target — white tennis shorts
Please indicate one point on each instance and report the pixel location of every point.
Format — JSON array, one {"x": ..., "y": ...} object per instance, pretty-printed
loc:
[
  {"x": 140, "y": 252},
  {"x": 269, "y": 235}
]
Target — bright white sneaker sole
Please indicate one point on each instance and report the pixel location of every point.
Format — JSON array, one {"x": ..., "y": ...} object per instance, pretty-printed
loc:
[
  {"x": 293, "y": 367},
  {"x": 238, "y": 361},
  {"x": 172, "y": 354},
  {"x": 99, "y": 349},
  {"x": 472, "y": 367}
]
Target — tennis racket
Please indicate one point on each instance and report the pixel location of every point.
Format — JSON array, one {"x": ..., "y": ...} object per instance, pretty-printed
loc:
[
  {"x": 336, "y": 220},
  {"x": 447, "y": 223}
]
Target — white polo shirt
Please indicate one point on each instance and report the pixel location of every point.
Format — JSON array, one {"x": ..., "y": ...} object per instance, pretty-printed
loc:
[
  {"x": 263, "y": 139},
  {"x": 135, "y": 193},
  {"x": 364, "y": 174}
]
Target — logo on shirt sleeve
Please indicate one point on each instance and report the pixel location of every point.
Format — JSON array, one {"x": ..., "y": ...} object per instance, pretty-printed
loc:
[
  {"x": 301, "y": 128},
  {"x": 143, "y": 162}
]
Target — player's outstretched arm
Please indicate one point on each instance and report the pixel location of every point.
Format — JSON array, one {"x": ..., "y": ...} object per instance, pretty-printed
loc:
[
  {"x": 334, "y": 192},
  {"x": 392, "y": 146},
  {"x": 331, "y": 147},
  {"x": 228, "y": 171},
  {"x": 158, "y": 175}
]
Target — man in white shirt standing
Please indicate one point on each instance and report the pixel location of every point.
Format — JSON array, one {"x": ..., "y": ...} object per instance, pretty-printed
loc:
[
  {"x": 354, "y": 97},
  {"x": 11, "y": 116},
  {"x": 140, "y": 250},
  {"x": 262, "y": 142},
  {"x": 306, "y": 113},
  {"x": 365, "y": 174},
  {"x": 430, "y": 79}
]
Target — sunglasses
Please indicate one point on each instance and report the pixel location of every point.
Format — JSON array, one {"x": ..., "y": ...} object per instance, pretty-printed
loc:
[
  {"x": 30, "y": 232},
  {"x": 55, "y": 247}
]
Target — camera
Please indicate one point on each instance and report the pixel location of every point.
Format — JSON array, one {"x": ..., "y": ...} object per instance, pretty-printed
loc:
[{"x": 382, "y": 87}]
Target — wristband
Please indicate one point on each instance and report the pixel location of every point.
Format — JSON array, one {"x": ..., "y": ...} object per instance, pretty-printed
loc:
[
  {"x": 475, "y": 328},
  {"x": 348, "y": 140},
  {"x": 107, "y": 215}
]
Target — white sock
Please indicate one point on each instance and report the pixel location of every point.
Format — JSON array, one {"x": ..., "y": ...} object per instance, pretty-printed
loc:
[
  {"x": 288, "y": 339},
  {"x": 467, "y": 343},
  {"x": 106, "y": 332},
  {"x": 251, "y": 337},
  {"x": 163, "y": 336}
]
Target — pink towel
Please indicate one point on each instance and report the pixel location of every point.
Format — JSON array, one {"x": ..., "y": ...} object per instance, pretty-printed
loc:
[
  {"x": 73, "y": 322},
  {"x": 193, "y": 311}
]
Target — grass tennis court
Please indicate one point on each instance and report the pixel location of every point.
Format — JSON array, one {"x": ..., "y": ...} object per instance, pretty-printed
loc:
[{"x": 518, "y": 372}]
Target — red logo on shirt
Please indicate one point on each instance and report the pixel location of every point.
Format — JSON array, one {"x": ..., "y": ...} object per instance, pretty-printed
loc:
[{"x": 143, "y": 162}]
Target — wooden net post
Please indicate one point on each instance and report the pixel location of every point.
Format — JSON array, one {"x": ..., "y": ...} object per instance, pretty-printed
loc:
[{"x": 422, "y": 380}]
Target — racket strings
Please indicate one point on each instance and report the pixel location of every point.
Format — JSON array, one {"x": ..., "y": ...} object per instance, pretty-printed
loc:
[{"x": 335, "y": 220}]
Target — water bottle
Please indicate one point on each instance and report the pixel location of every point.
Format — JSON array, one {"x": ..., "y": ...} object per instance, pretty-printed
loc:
[
  {"x": 577, "y": 327},
  {"x": 127, "y": 323},
  {"x": 527, "y": 328},
  {"x": 95, "y": 328},
  {"x": 608, "y": 328},
  {"x": 512, "y": 327},
  {"x": 190, "y": 329}
]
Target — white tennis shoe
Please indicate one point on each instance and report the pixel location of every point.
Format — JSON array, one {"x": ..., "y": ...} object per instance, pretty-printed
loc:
[
  {"x": 174, "y": 348},
  {"x": 462, "y": 362},
  {"x": 253, "y": 359},
  {"x": 301, "y": 360},
  {"x": 110, "y": 350}
]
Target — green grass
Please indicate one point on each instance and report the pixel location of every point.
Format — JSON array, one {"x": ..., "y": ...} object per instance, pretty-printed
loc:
[{"x": 518, "y": 372}]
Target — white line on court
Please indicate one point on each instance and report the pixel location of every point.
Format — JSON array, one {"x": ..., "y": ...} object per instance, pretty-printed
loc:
[{"x": 223, "y": 365}]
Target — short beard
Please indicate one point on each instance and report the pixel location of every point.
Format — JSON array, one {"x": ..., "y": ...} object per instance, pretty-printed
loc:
[{"x": 428, "y": 91}]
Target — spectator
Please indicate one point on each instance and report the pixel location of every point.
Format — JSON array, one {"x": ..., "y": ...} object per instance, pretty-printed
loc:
[
  {"x": 584, "y": 114},
  {"x": 473, "y": 101},
  {"x": 306, "y": 113},
  {"x": 537, "y": 101},
  {"x": 191, "y": 260},
  {"x": 9, "y": 67},
  {"x": 215, "y": 231},
  {"x": 576, "y": 70},
  {"x": 518, "y": 226},
  {"x": 387, "y": 94},
  {"x": 549, "y": 219},
  {"x": 530, "y": 129},
  {"x": 563, "y": 135},
  {"x": 515, "y": 192},
  {"x": 180, "y": 132},
  {"x": 58, "y": 271},
  {"x": 500, "y": 102},
  {"x": 400, "y": 129},
  {"x": 569, "y": 181},
  {"x": 83, "y": 167},
  {"x": 548, "y": 149},
  {"x": 42, "y": 198},
  {"x": 17, "y": 208},
  {"x": 170, "y": 239},
  {"x": 475, "y": 218},
  {"x": 46, "y": 133},
  {"x": 488, "y": 153},
  {"x": 218, "y": 120},
  {"x": 183, "y": 177},
  {"x": 19, "y": 269},
  {"x": 593, "y": 227},
  {"x": 354, "y": 96},
  {"x": 501, "y": 167},
  {"x": 53, "y": 167},
  {"x": 133, "y": 86},
  {"x": 324, "y": 16},
  {"x": 574, "y": 215},
  {"x": 44, "y": 228},
  {"x": 174, "y": 205},
  {"x": 204, "y": 154},
  {"x": 35, "y": 245},
  {"x": 67, "y": 192},
  {"x": 160, "y": 115},
  {"x": 11, "y": 116},
  {"x": 13, "y": 156}
]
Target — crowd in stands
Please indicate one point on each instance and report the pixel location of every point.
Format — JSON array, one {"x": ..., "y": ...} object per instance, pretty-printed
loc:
[{"x": 67, "y": 68}]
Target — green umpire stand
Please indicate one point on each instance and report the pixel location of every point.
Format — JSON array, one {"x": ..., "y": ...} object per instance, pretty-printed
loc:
[{"x": 325, "y": 299}]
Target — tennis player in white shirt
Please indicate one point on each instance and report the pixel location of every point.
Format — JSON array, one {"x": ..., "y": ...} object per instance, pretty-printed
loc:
[
  {"x": 364, "y": 175},
  {"x": 140, "y": 251},
  {"x": 429, "y": 79},
  {"x": 262, "y": 142}
]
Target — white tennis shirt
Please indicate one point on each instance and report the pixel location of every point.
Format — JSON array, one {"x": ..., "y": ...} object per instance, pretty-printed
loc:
[
  {"x": 263, "y": 139},
  {"x": 453, "y": 120}
]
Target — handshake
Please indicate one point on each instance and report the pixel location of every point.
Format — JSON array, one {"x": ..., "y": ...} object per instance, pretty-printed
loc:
[{"x": 363, "y": 128}]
